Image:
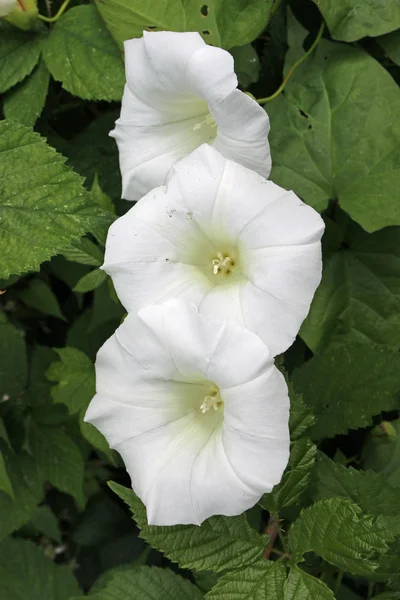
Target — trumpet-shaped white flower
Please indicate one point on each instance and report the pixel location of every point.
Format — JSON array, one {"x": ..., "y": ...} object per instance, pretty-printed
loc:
[
  {"x": 196, "y": 409},
  {"x": 7, "y": 6},
  {"x": 179, "y": 94},
  {"x": 219, "y": 235}
]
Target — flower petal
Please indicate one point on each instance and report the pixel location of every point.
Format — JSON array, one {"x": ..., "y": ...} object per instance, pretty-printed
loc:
[{"x": 243, "y": 127}]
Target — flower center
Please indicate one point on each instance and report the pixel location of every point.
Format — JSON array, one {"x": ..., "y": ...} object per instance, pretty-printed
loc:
[
  {"x": 212, "y": 401},
  {"x": 223, "y": 264},
  {"x": 208, "y": 122}
]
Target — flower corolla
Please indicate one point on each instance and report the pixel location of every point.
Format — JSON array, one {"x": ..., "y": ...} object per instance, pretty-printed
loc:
[
  {"x": 197, "y": 410},
  {"x": 221, "y": 236},
  {"x": 181, "y": 93}
]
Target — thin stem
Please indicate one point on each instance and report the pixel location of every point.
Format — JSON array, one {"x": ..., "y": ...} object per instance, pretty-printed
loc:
[
  {"x": 294, "y": 67},
  {"x": 275, "y": 8},
  {"x": 371, "y": 586},
  {"x": 62, "y": 10},
  {"x": 338, "y": 581}
]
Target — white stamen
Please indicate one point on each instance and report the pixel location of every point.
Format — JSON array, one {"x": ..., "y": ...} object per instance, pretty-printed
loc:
[
  {"x": 208, "y": 122},
  {"x": 213, "y": 401},
  {"x": 222, "y": 263}
]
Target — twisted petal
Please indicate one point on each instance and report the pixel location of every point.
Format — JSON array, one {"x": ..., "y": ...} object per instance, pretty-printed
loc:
[
  {"x": 164, "y": 247},
  {"x": 181, "y": 93},
  {"x": 152, "y": 376}
]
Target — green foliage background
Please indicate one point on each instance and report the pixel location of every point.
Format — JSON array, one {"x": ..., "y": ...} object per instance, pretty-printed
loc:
[{"x": 331, "y": 528}]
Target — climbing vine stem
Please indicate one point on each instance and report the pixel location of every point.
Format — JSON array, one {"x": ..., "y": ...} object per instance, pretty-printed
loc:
[
  {"x": 63, "y": 8},
  {"x": 294, "y": 67}
]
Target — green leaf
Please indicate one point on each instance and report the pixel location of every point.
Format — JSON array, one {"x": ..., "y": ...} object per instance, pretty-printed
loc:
[
  {"x": 220, "y": 543},
  {"x": 40, "y": 296},
  {"x": 58, "y": 458},
  {"x": 303, "y": 586},
  {"x": 263, "y": 579},
  {"x": 84, "y": 252},
  {"x": 81, "y": 54},
  {"x": 26, "y": 573},
  {"x": 94, "y": 153},
  {"x": 359, "y": 294},
  {"x": 391, "y": 45},
  {"x": 19, "y": 54},
  {"x": 247, "y": 64},
  {"x": 5, "y": 483},
  {"x": 100, "y": 197},
  {"x": 239, "y": 25},
  {"x": 347, "y": 385},
  {"x": 44, "y": 521},
  {"x": 334, "y": 133},
  {"x": 90, "y": 281},
  {"x": 336, "y": 530},
  {"x": 381, "y": 452},
  {"x": 13, "y": 367},
  {"x": 296, "y": 478},
  {"x": 27, "y": 488},
  {"x": 75, "y": 378},
  {"x": 301, "y": 416},
  {"x": 148, "y": 583},
  {"x": 43, "y": 205},
  {"x": 367, "y": 489},
  {"x": 350, "y": 20},
  {"x": 25, "y": 102}
]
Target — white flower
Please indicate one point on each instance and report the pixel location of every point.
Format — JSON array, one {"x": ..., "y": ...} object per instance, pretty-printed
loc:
[
  {"x": 197, "y": 411},
  {"x": 179, "y": 94},
  {"x": 219, "y": 235},
  {"x": 7, "y": 6}
]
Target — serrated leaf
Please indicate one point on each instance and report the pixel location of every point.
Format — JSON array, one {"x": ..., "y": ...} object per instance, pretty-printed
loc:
[
  {"x": 334, "y": 134},
  {"x": 81, "y": 54},
  {"x": 58, "y": 459},
  {"x": 336, "y": 530},
  {"x": 40, "y": 296},
  {"x": 26, "y": 573},
  {"x": 220, "y": 543},
  {"x": 296, "y": 478},
  {"x": 350, "y": 20},
  {"x": 263, "y": 579},
  {"x": 13, "y": 367},
  {"x": 150, "y": 583},
  {"x": 359, "y": 294},
  {"x": 367, "y": 489},
  {"x": 239, "y": 25},
  {"x": 90, "y": 281},
  {"x": 347, "y": 385},
  {"x": 84, "y": 252},
  {"x": 19, "y": 54},
  {"x": 100, "y": 197},
  {"x": 43, "y": 206},
  {"x": 25, "y": 102},
  {"x": 303, "y": 586},
  {"x": 301, "y": 416},
  {"x": 75, "y": 378},
  {"x": 27, "y": 491}
]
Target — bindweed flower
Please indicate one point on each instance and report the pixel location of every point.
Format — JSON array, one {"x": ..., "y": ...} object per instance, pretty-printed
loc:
[
  {"x": 179, "y": 94},
  {"x": 196, "y": 409},
  {"x": 219, "y": 235},
  {"x": 7, "y": 6}
]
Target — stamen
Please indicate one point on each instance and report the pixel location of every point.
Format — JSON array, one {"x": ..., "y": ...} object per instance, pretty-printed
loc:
[
  {"x": 209, "y": 121},
  {"x": 212, "y": 401},
  {"x": 222, "y": 263}
]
